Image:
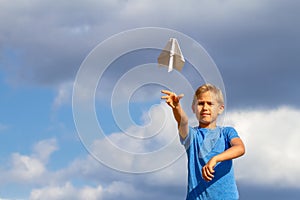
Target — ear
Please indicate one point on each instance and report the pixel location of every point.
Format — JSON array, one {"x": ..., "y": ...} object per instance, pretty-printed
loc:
[
  {"x": 193, "y": 108},
  {"x": 221, "y": 109}
]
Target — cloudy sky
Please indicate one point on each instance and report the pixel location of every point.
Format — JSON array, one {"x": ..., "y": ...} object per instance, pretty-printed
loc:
[{"x": 48, "y": 148}]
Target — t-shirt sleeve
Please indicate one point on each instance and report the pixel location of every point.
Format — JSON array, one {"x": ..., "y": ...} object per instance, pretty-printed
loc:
[
  {"x": 231, "y": 133},
  {"x": 186, "y": 141}
]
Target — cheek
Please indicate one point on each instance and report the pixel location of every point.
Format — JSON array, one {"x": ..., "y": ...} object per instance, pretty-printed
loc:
[
  {"x": 195, "y": 108},
  {"x": 215, "y": 111},
  {"x": 198, "y": 109}
]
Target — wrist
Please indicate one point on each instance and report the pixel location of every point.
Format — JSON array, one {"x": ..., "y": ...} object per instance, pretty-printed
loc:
[{"x": 216, "y": 159}]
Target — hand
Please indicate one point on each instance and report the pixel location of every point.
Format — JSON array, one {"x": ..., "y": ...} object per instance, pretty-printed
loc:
[
  {"x": 171, "y": 98},
  {"x": 208, "y": 170}
]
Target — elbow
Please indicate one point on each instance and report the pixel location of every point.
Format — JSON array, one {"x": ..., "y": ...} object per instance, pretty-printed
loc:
[
  {"x": 242, "y": 150},
  {"x": 239, "y": 147}
]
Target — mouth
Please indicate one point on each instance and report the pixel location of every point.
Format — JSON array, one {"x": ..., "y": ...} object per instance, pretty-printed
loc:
[{"x": 204, "y": 114}]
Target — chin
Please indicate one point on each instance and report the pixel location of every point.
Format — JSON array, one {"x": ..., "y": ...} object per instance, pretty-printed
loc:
[{"x": 205, "y": 123}]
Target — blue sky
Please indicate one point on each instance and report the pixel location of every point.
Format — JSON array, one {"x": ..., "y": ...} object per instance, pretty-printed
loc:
[{"x": 254, "y": 45}]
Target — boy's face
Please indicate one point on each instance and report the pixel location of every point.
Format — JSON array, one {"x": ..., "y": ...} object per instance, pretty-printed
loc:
[{"x": 207, "y": 109}]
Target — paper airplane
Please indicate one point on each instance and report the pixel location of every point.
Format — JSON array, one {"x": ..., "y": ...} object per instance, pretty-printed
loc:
[{"x": 171, "y": 56}]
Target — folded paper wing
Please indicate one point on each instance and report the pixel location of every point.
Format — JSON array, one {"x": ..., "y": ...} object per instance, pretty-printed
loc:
[{"x": 171, "y": 56}]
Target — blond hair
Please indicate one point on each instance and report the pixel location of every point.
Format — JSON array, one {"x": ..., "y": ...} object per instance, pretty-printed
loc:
[{"x": 211, "y": 88}]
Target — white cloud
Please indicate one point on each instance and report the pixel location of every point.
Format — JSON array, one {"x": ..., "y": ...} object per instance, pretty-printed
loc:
[
  {"x": 115, "y": 186},
  {"x": 271, "y": 138},
  {"x": 115, "y": 190},
  {"x": 91, "y": 193},
  {"x": 66, "y": 191},
  {"x": 26, "y": 168},
  {"x": 43, "y": 149},
  {"x": 29, "y": 168},
  {"x": 135, "y": 150},
  {"x": 120, "y": 190}
]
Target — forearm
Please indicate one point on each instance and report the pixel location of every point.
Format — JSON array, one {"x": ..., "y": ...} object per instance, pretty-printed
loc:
[
  {"x": 229, "y": 154},
  {"x": 236, "y": 150},
  {"x": 181, "y": 119}
]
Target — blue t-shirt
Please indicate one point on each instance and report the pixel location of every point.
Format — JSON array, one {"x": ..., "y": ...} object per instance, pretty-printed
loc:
[{"x": 201, "y": 145}]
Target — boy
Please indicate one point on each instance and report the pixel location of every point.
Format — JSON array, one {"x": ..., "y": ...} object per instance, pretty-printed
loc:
[{"x": 210, "y": 148}]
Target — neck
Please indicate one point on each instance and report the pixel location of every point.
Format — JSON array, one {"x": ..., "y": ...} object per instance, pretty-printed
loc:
[{"x": 209, "y": 126}]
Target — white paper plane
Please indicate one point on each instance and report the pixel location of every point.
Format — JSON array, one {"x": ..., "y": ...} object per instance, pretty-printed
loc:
[{"x": 171, "y": 56}]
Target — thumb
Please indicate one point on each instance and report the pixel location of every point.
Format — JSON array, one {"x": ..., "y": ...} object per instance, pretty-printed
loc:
[
  {"x": 211, "y": 169},
  {"x": 180, "y": 96}
]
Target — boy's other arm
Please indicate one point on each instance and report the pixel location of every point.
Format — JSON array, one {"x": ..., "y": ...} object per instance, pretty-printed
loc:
[
  {"x": 236, "y": 150},
  {"x": 181, "y": 118}
]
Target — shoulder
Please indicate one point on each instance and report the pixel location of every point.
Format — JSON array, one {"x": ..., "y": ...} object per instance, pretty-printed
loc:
[
  {"x": 229, "y": 132},
  {"x": 228, "y": 129},
  {"x": 192, "y": 131}
]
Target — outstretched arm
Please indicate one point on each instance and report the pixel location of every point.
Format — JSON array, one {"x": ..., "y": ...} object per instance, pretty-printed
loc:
[
  {"x": 236, "y": 150},
  {"x": 181, "y": 118}
]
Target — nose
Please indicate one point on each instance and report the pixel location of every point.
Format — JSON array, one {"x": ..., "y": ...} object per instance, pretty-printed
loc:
[{"x": 205, "y": 106}]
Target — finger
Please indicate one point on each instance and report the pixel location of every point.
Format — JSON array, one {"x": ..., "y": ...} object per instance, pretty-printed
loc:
[
  {"x": 169, "y": 93},
  {"x": 209, "y": 174},
  {"x": 211, "y": 169},
  {"x": 166, "y": 92},
  {"x": 206, "y": 174},
  {"x": 172, "y": 104},
  {"x": 165, "y": 97}
]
